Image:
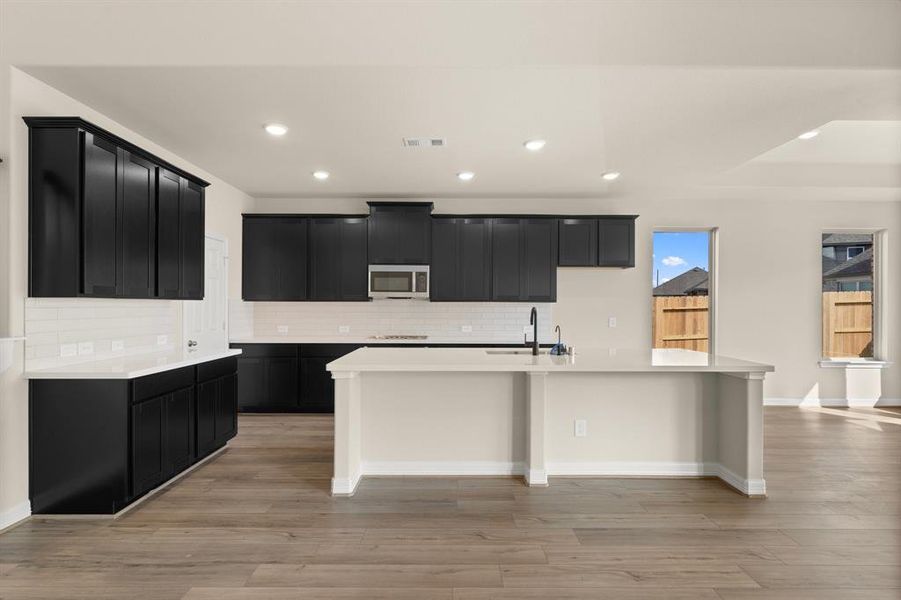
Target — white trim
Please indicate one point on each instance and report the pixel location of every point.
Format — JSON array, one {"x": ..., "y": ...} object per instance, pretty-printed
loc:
[
  {"x": 854, "y": 364},
  {"x": 750, "y": 487},
  {"x": 443, "y": 467},
  {"x": 536, "y": 477},
  {"x": 634, "y": 468},
  {"x": 16, "y": 514},
  {"x": 832, "y": 402},
  {"x": 345, "y": 486}
]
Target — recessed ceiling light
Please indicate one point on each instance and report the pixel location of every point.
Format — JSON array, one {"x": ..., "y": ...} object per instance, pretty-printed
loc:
[
  {"x": 321, "y": 175},
  {"x": 534, "y": 145},
  {"x": 465, "y": 175},
  {"x": 611, "y": 175},
  {"x": 276, "y": 129},
  {"x": 809, "y": 135}
]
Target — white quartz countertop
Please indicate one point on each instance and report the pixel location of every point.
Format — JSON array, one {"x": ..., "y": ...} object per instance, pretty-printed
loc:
[
  {"x": 500, "y": 360},
  {"x": 367, "y": 341},
  {"x": 130, "y": 367}
]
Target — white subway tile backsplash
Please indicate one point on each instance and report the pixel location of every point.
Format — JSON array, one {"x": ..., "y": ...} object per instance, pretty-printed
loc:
[
  {"x": 54, "y": 327},
  {"x": 444, "y": 321}
]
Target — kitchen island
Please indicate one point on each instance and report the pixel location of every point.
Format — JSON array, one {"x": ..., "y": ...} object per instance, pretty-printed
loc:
[{"x": 605, "y": 412}]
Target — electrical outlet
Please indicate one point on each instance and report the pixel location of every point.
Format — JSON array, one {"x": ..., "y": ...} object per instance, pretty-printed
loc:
[
  {"x": 85, "y": 348},
  {"x": 581, "y": 428},
  {"x": 466, "y": 328},
  {"x": 611, "y": 321},
  {"x": 117, "y": 345},
  {"x": 343, "y": 328},
  {"x": 162, "y": 340},
  {"x": 282, "y": 329},
  {"x": 611, "y": 351},
  {"x": 68, "y": 350}
]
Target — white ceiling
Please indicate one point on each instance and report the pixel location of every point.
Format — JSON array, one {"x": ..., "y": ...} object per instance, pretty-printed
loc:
[{"x": 681, "y": 97}]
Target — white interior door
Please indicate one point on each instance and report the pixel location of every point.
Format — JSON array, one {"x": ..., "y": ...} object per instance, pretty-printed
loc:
[{"x": 206, "y": 321}]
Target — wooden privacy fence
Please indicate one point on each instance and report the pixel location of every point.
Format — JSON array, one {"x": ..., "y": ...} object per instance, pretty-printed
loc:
[
  {"x": 681, "y": 322},
  {"x": 847, "y": 324}
]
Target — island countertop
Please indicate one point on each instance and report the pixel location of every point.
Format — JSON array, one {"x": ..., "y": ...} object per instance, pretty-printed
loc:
[{"x": 615, "y": 360}]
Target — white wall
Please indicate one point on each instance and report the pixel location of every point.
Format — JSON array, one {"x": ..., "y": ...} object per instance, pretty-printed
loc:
[
  {"x": 20, "y": 95},
  {"x": 769, "y": 277}
]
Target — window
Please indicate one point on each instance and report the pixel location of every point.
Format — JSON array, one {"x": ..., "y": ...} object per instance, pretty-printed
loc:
[
  {"x": 849, "y": 298},
  {"x": 681, "y": 290}
]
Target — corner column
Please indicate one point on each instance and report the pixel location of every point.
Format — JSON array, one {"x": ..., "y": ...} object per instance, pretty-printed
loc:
[
  {"x": 740, "y": 431},
  {"x": 347, "y": 473},
  {"x": 536, "y": 467}
]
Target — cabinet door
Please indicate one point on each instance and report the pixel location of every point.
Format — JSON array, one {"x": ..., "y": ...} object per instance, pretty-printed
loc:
[
  {"x": 400, "y": 234},
  {"x": 616, "y": 242},
  {"x": 100, "y": 217},
  {"x": 148, "y": 429},
  {"x": 578, "y": 242},
  {"x": 444, "y": 270},
  {"x": 179, "y": 431},
  {"x": 325, "y": 258},
  {"x": 474, "y": 257},
  {"x": 353, "y": 266},
  {"x": 192, "y": 240},
  {"x": 168, "y": 235},
  {"x": 227, "y": 409},
  {"x": 281, "y": 375},
  {"x": 317, "y": 386},
  {"x": 253, "y": 390},
  {"x": 138, "y": 228},
  {"x": 259, "y": 272},
  {"x": 506, "y": 260},
  {"x": 207, "y": 395},
  {"x": 540, "y": 260},
  {"x": 291, "y": 258}
]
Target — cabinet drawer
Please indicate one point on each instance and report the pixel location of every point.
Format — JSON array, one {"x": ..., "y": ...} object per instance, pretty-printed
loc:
[
  {"x": 162, "y": 383},
  {"x": 217, "y": 368}
]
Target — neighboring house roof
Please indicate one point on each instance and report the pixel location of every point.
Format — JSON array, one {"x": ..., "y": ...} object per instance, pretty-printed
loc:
[
  {"x": 691, "y": 282},
  {"x": 848, "y": 239},
  {"x": 859, "y": 266}
]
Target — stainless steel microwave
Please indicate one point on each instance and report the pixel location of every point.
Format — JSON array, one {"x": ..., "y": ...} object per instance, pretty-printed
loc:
[{"x": 399, "y": 281}]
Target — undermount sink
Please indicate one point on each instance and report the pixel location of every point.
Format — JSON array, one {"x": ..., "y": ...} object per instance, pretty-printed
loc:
[{"x": 525, "y": 351}]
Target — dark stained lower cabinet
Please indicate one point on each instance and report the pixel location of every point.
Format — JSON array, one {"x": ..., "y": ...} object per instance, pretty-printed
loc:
[
  {"x": 98, "y": 445},
  {"x": 317, "y": 388},
  {"x": 267, "y": 378}
]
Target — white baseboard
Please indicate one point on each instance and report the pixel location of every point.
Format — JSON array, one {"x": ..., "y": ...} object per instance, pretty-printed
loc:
[
  {"x": 633, "y": 469},
  {"x": 832, "y": 402},
  {"x": 13, "y": 515},
  {"x": 345, "y": 486},
  {"x": 443, "y": 468},
  {"x": 751, "y": 487}
]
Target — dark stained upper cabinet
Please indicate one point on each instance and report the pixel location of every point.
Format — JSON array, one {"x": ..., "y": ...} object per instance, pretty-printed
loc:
[
  {"x": 338, "y": 265},
  {"x": 616, "y": 241},
  {"x": 400, "y": 234},
  {"x": 461, "y": 259},
  {"x": 524, "y": 259},
  {"x": 102, "y": 219},
  {"x": 274, "y": 258},
  {"x": 578, "y": 242},
  {"x": 597, "y": 241}
]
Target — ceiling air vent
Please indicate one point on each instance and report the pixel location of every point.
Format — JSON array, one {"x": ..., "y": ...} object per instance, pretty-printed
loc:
[{"x": 425, "y": 142}]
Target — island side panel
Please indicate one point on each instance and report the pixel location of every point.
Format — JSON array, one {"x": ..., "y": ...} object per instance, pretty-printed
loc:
[
  {"x": 347, "y": 470},
  {"x": 740, "y": 438},
  {"x": 536, "y": 468}
]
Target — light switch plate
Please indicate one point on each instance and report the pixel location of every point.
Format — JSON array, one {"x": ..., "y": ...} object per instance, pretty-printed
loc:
[
  {"x": 466, "y": 328},
  {"x": 611, "y": 321},
  {"x": 117, "y": 345},
  {"x": 581, "y": 428},
  {"x": 162, "y": 340},
  {"x": 282, "y": 329},
  {"x": 343, "y": 328},
  {"x": 68, "y": 350},
  {"x": 85, "y": 348}
]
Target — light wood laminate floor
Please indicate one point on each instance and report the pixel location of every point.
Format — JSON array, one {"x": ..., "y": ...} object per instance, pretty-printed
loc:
[{"x": 258, "y": 523}]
